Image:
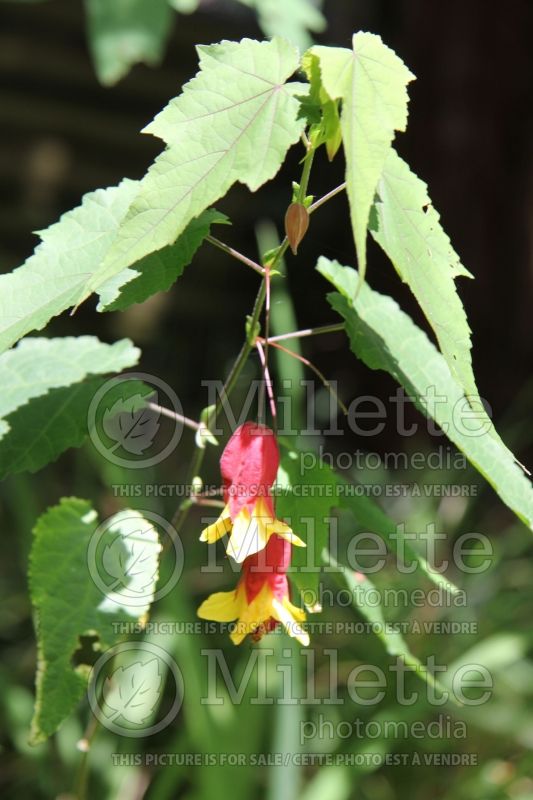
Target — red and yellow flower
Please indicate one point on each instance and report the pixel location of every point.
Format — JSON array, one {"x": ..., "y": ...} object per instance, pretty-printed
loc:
[
  {"x": 249, "y": 466},
  {"x": 261, "y": 600},
  {"x": 263, "y": 543}
]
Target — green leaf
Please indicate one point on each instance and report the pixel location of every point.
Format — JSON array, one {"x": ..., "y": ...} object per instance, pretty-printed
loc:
[
  {"x": 312, "y": 493},
  {"x": 360, "y": 587},
  {"x": 37, "y": 365},
  {"x": 306, "y": 500},
  {"x": 48, "y": 389},
  {"x": 371, "y": 82},
  {"x": 185, "y": 6},
  {"x": 407, "y": 227},
  {"x": 385, "y": 338},
  {"x": 233, "y": 122},
  {"x": 69, "y": 603},
  {"x": 292, "y": 19},
  {"x": 371, "y": 518},
  {"x": 126, "y": 32},
  {"x": 53, "y": 278},
  {"x": 158, "y": 271}
]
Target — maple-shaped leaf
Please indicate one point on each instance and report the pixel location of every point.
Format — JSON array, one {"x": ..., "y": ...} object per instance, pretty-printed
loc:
[
  {"x": 371, "y": 81},
  {"x": 233, "y": 122}
]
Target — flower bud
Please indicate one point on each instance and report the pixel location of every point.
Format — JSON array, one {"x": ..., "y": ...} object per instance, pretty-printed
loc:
[{"x": 296, "y": 224}]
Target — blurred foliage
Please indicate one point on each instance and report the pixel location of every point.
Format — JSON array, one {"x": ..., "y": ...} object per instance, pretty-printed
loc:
[
  {"x": 499, "y": 600},
  {"x": 122, "y": 33}
]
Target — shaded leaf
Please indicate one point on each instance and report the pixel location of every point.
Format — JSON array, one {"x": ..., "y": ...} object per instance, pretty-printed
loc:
[
  {"x": 52, "y": 279},
  {"x": 37, "y": 365},
  {"x": 158, "y": 271},
  {"x": 385, "y": 338},
  {"x": 126, "y": 32},
  {"x": 48, "y": 390}
]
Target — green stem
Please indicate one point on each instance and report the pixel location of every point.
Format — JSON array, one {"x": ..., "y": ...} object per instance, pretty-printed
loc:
[
  {"x": 231, "y": 380},
  {"x": 249, "y": 344},
  {"x": 306, "y": 172},
  {"x": 80, "y": 787}
]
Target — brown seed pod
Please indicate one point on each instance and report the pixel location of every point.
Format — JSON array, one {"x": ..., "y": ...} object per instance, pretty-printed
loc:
[{"x": 296, "y": 224}]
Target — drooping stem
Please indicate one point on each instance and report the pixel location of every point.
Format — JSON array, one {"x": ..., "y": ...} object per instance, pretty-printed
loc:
[
  {"x": 84, "y": 745},
  {"x": 235, "y": 254},
  {"x": 328, "y": 196},
  {"x": 168, "y": 412},
  {"x": 249, "y": 344},
  {"x": 196, "y": 463},
  {"x": 314, "y": 369},
  {"x": 307, "y": 332},
  {"x": 267, "y": 379}
]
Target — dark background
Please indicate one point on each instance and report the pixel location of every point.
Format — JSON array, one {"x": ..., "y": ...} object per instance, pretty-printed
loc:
[{"x": 469, "y": 138}]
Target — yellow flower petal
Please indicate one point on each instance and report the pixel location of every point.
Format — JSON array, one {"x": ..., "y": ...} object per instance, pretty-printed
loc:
[
  {"x": 291, "y": 537},
  {"x": 271, "y": 525},
  {"x": 221, "y": 607},
  {"x": 253, "y": 615},
  {"x": 217, "y": 530},
  {"x": 290, "y": 617},
  {"x": 248, "y": 536}
]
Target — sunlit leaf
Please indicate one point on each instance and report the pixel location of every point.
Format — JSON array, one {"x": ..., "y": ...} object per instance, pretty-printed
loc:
[
  {"x": 370, "y": 80},
  {"x": 408, "y": 229},
  {"x": 233, "y": 122},
  {"x": 70, "y": 603}
]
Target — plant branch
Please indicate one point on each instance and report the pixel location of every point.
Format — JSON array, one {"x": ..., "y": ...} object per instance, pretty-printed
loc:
[
  {"x": 267, "y": 379},
  {"x": 307, "y": 332},
  {"x": 84, "y": 746},
  {"x": 317, "y": 372},
  {"x": 306, "y": 172},
  {"x": 235, "y": 254},
  {"x": 167, "y": 412},
  {"x": 328, "y": 196},
  {"x": 182, "y": 512}
]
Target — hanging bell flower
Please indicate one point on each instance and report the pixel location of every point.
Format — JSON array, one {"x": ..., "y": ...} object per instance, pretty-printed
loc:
[
  {"x": 261, "y": 600},
  {"x": 249, "y": 465}
]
